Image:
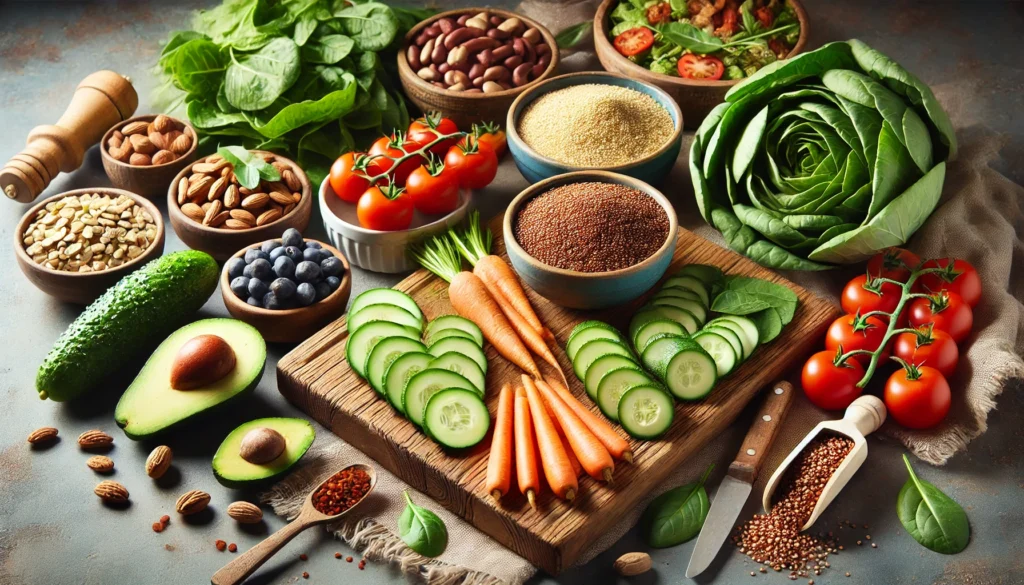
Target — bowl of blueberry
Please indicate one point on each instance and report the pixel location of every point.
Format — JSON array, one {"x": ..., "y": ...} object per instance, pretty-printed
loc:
[{"x": 287, "y": 288}]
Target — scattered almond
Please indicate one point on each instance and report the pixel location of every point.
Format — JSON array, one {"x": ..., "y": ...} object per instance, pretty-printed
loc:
[
  {"x": 192, "y": 502},
  {"x": 245, "y": 512},
  {"x": 94, "y": 439},
  {"x": 158, "y": 462},
  {"x": 42, "y": 435},
  {"x": 632, "y": 564},
  {"x": 100, "y": 464},
  {"x": 111, "y": 491}
]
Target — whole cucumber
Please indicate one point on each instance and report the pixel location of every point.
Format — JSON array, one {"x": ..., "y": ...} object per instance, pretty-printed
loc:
[{"x": 126, "y": 322}]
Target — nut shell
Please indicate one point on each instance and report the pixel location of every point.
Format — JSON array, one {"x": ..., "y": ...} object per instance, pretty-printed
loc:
[
  {"x": 245, "y": 512},
  {"x": 159, "y": 461},
  {"x": 94, "y": 440},
  {"x": 42, "y": 435},
  {"x": 111, "y": 491},
  {"x": 192, "y": 502}
]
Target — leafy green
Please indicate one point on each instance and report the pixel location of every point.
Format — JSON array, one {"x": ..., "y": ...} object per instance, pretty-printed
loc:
[
  {"x": 256, "y": 80},
  {"x": 677, "y": 515},
  {"x": 691, "y": 38},
  {"x": 770, "y": 306},
  {"x": 249, "y": 168},
  {"x": 421, "y": 530},
  {"x": 571, "y": 36},
  {"x": 934, "y": 519},
  {"x": 372, "y": 25},
  {"x": 820, "y": 160}
]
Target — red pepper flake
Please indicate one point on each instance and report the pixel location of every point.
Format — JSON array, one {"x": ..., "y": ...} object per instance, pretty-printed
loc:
[
  {"x": 341, "y": 491},
  {"x": 158, "y": 527},
  {"x": 305, "y": 575},
  {"x": 348, "y": 559},
  {"x": 232, "y": 547},
  {"x": 221, "y": 545},
  {"x": 337, "y": 555},
  {"x": 165, "y": 519},
  {"x": 303, "y": 557}
]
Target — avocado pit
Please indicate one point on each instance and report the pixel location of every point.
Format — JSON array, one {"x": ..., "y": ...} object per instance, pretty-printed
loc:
[
  {"x": 261, "y": 445},
  {"x": 201, "y": 361}
]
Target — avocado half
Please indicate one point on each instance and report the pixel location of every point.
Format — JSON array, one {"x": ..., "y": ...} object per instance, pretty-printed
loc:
[
  {"x": 232, "y": 471},
  {"x": 150, "y": 406}
]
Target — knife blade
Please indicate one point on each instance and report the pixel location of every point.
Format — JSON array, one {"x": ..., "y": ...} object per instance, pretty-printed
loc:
[{"x": 736, "y": 486}]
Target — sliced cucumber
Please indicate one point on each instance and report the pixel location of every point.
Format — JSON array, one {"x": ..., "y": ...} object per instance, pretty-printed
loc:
[
  {"x": 612, "y": 386},
  {"x": 654, "y": 312},
  {"x": 720, "y": 350},
  {"x": 587, "y": 325},
  {"x": 747, "y": 345},
  {"x": 404, "y": 367},
  {"x": 750, "y": 336},
  {"x": 442, "y": 333},
  {"x": 466, "y": 347},
  {"x": 690, "y": 306},
  {"x": 659, "y": 350},
  {"x": 587, "y": 335},
  {"x": 692, "y": 283},
  {"x": 602, "y": 366},
  {"x": 730, "y": 336},
  {"x": 454, "y": 322},
  {"x": 656, "y": 327},
  {"x": 683, "y": 365},
  {"x": 462, "y": 365},
  {"x": 363, "y": 339},
  {"x": 593, "y": 350},
  {"x": 646, "y": 412},
  {"x": 425, "y": 384},
  {"x": 456, "y": 418},
  {"x": 383, "y": 312},
  {"x": 388, "y": 296},
  {"x": 709, "y": 275},
  {"x": 383, "y": 354},
  {"x": 675, "y": 291}
]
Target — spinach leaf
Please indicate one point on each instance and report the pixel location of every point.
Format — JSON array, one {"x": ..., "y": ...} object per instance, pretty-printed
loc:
[
  {"x": 571, "y": 36},
  {"x": 421, "y": 530},
  {"x": 934, "y": 519},
  {"x": 744, "y": 295},
  {"x": 293, "y": 116},
  {"x": 205, "y": 116},
  {"x": 199, "y": 67},
  {"x": 690, "y": 37},
  {"x": 304, "y": 27},
  {"x": 677, "y": 515},
  {"x": 372, "y": 25},
  {"x": 768, "y": 323},
  {"x": 328, "y": 49},
  {"x": 255, "y": 80},
  {"x": 248, "y": 167},
  {"x": 169, "y": 53}
]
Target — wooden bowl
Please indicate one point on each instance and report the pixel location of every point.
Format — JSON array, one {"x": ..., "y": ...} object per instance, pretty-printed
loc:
[
  {"x": 289, "y": 325},
  {"x": 467, "y": 108},
  {"x": 695, "y": 97},
  {"x": 83, "y": 288},
  {"x": 223, "y": 243},
  {"x": 151, "y": 181}
]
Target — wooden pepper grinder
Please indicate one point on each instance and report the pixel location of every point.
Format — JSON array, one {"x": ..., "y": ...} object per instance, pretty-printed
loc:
[{"x": 101, "y": 100}]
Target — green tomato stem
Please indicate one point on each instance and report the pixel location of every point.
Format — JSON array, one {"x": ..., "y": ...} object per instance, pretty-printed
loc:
[{"x": 397, "y": 161}]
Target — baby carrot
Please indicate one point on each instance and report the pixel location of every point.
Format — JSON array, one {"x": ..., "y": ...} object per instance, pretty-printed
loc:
[
  {"x": 499, "y": 462},
  {"x": 553, "y": 458},
  {"x": 616, "y": 445},
  {"x": 527, "y": 475},
  {"x": 593, "y": 455}
]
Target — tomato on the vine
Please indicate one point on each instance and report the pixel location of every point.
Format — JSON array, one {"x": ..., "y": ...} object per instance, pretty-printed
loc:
[
  {"x": 928, "y": 347},
  {"x": 634, "y": 41},
  {"x": 960, "y": 278},
  {"x": 856, "y": 332},
  {"x": 474, "y": 162},
  {"x": 492, "y": 135},
  {"x": 893, "y": 263},
  {"x": 392, "y": 146},
  {"x": 434, "y": 188},
  {"x": 425, "y": 130},
  {"x": 866, "y": 296},
  {"x": 947, "y": 311},
  {"x": 917, "y": 397},
  {"x": 830, "y": 385},
  {"x": 387, "y": 210},
  {"x": 706, "y": 68},
  {"x": 349, "y": 173}
]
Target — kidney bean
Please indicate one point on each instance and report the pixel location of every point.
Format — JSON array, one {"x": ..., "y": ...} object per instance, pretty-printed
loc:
[
  {"x": 437, "y": 84},
  {"x": 459, "y": 36},
  {"x": 538, "y": 70},
  {"x": 485, "y": 57},
  {"x": 461, "y": 77},
  {"x": 498, "y": 34},
  {"x": 496, "y": 73},
  {"x": 427, "y": 74},
  {"x": 427, "y": 51},
  {"x": 532, "y": 35},
  {"x": 477, "y": 23},
  {"x": 519, "y": 46},
  {"x": 478, "y": 82},
  {"x": 477, "y": 71},
  {"x": 482, "y": 16},
  {"x": 521, "y": 74},
  {"x": 420, "y": 39},
  {"x": 458, "y": 55},
  {"x": 542, "y": 49},
  {"x": 412, "y": 55},
  {"x": 491, "y": 87},
  {"x": 496, "y": 20},
  {"x": 511, "y": 25},
  {"x": 457, "y": 87},
  {"x": 462, "y": 19},
  {"x": 544, "y": 60},
  {"x": 433, "y": 30},
  {"x": 503, "y": 52},
  {"x": 463, "y": 67},
  {"x": 440, "y": 54},
  {"x": 505, "y": 85},
  {"x": 444, "y": 68},
  {"x": 446, "y": 25},
  {"x": 474, "y": 90},
  {"x": 479, "y": 44},
  {"x": 513, "y": 61},
  {"x": 531, "y": 53}
]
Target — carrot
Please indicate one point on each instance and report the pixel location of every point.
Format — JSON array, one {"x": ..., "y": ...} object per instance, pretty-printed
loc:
[
  {"x": 553, "y": 458},
  {"x": 616, "y": 445},
  {"x": 527, "y": 476},
  {"x": 531, "y": 338},
  {"x": 591, "y": 452},
  {"x": 577, "y": 468},
  {"x": 499, "y": 462}
]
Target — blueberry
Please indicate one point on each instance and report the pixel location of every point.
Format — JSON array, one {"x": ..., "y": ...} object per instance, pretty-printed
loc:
[
  {"x": 307, "y": 271},
  {"x": 258, "y": 288},
  {"x": 323, "y": 290},
  {"x": 292, "y": 237},
  {"x": 276, "y": 253},
  {"x": 305, "y": 294},
  {"x": 312, "y": 244},
  {"x": 294, "y": 253},
  {"x": 333, "y": 281},
  {"x": 283, "y": 288},
  {"x": 325, "y": 254},
  {"x": 284, "y": 267},
  {"x": 254, "y": 302},
  {"x": 240, "y": 286},
  {"x": 235, "y": 267},
  {"x": 332, "y": 267},
  {"x": 252, "y": 254},
  {"x": 270, "y": 245},
  {"x": 270, "y": 301},
  {"x": 247, "y": 271},
  {"x": 311, "y": 254},
  {"x": 262, "y": 269}
]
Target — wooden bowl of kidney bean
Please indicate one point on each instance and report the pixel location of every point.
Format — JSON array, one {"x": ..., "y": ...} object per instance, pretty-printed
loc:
[{"x": 471, "y": 63}]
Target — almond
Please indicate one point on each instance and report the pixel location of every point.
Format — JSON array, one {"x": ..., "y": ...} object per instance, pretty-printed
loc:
[
  {"x": 268, "y": 216},
  {"x": 94, "y": 439},
  {"x": 256, "y": 201},
  {"x": 217, "y": 189},
  {"x": 193, "y": 212},
  {"x": 200, "y": 187},
  {"x": 213, "y": 158},
  {"x": 231, "y": 197},
  {"x": 235, "y": 224},
  {"x": 245, "y": 191},
  {"x": 43, "y": 435},
  {"x": 133, "y": 128},
  {"x": 163, "y": 123},
  {"x": 243, "y": 215},
  {"x": 142, "y": 143},
  {"x": 219, "y": 219},
  {"x": 205, "y": 168},
  {"x": 159, "y": 140},
  {"x": 282, "y": 198},
  {"x": 100, "y": 464},
  {"x": 291, "y": 179},
  {"x": 163, "y": 156},
  {"x": 288, "y": 209},
  {"x": 245, "y": 512},
  {"x": 181, "y": 144},
  {"x": 123, "y": 153},
  {"x": 182, "y": 191},
  {"x": 114, "y": 142},
  {"x": 111, "y": 491},
  {"x": 192, "y": 502},
  {"x": 213, "y": 211},
  {"x": 158, "y": 462},
  {"x": 632, "y": 564},
  {"x": 140, "y": 160}
]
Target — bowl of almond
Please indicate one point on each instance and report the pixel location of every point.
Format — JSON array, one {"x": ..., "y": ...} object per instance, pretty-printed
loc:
[
  {"x": 237, "y": 197},
  {"x": 142, "y": 154}
]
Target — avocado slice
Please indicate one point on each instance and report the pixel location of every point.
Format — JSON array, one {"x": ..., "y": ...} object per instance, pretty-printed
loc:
[
  {"x": 151, "y": 405},
  {"x": 231, "y": 470}
]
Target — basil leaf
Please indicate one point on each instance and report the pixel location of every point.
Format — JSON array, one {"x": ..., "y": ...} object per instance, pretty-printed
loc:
[
  {"x": 244, "y": 165},
  {"x": 569, "y": 37},
  {"x": 690, "y": 37},
  {"x": 677, "y": 515},
  {"x": 932, "y": 517},
  {"x": 421, "y": 530},
  {"x": 372, "y": 25},
  {"x": 255, "y": 80}
]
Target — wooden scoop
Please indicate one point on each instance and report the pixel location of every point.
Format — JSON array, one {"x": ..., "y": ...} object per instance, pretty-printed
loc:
[
  {"x": 239, "y": 569},
  {"x": 101, "y": 100},
  {"x": 863, "y": 417}
]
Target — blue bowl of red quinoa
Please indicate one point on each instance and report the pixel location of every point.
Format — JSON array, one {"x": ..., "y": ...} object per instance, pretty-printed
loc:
[
  {"x": 594, "y": 121},
  {"x": 590, "y": 239}
]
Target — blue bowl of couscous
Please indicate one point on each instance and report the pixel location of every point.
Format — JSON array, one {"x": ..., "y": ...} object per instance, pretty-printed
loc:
[{"x": 594, "y": 121}]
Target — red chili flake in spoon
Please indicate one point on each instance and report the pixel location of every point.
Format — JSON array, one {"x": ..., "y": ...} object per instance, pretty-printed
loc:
[{"x": 342, "y": 491}]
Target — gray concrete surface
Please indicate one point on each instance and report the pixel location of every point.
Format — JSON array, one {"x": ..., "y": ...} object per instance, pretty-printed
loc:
[{"x": 54, "y": 531}]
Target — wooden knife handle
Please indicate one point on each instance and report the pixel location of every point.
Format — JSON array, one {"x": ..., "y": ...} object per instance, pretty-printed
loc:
[{"x": 762, "y": 433}]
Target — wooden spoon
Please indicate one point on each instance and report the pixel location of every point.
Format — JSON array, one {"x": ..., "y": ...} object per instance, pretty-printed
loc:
[{"x": 239, "y": 569}]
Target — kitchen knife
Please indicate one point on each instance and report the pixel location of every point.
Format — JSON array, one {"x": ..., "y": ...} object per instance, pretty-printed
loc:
[{"x": 739, "y": 481}]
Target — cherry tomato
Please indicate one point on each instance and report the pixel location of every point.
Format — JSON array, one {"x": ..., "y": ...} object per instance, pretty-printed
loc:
[
  {"x": 387, "y": 210},
  {"x": 426, "y": 129},
  {"x": 830, "y": 386},
  {"x": 765, "y": 16},
  {"x": 634, "y": 41},
  {"x": 917, "y": 397},
  {"x": 947, "y": 311},
  {"x": 932, "y": 348},
  {"x": 962, "y": 279},
  {"x": 492, "y": 135},
  {"x": 866, "y": 296},
  {"x": 474, "y": 162},
  {"x": 893, "y": 263},
  {"x": 348, "y": 175},
  {"x": 693, "y": 66},
  {"x": 659, "y": 13},
  {"x": 434, "y": 188},
  {"x": 852, "y": 332},
  {"x": 392, "y": 146}
]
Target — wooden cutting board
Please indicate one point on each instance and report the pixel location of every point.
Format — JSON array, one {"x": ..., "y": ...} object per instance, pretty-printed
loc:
[{"x": 316, "y": 378}]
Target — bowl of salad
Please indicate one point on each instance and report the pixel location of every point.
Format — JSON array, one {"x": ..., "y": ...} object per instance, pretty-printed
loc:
[{"x": 696, "y": 50}]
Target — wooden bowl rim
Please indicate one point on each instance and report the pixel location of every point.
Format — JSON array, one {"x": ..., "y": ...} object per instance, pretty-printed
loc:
[
  {"x": 601, "y": 38},
  {"x": 406, "y": 72},
  {"x": 512, "y": 120},
  {"x": 128, "y": 266},
  {"x": 175, "y": 212},
  {"x": 148, "y": 118},
  {"x": 231, "y": 300},
  {"x": 591, "y": 176}
]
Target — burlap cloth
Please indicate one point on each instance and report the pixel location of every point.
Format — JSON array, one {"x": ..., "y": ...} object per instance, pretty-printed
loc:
[{"x": 980, "y": 219}]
